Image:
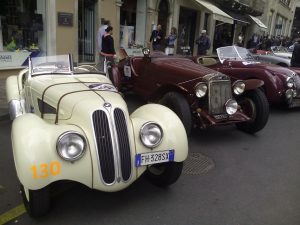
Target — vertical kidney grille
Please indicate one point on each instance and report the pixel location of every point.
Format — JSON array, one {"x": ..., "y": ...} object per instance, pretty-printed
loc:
[
  {"x": 104, "y": 146},
  {"x": 123, "y": 141},
  {"x": 220, "y": 93}
]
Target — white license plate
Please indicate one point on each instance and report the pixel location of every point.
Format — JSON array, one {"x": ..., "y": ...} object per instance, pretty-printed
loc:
[{"x": 154, "y": 158}]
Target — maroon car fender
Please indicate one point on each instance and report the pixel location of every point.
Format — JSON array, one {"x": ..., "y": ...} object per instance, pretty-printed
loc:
[
  {"x": 253, "y": 84},
  {"x": 115, "y": 76}
]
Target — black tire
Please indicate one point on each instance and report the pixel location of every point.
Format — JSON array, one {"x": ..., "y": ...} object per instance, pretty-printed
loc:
[
  {"x": 178, "y": 104},
  {"x": 39, "y": 201},
  {"x": 259, "y": 105},
  {"x": 164, "y": 174}
]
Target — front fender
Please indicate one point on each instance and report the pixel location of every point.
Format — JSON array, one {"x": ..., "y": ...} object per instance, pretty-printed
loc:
[
  {"x": 36, "y": 159},
  {"x": 174, "y": 134},
  {"x": 253, "y": 84}
]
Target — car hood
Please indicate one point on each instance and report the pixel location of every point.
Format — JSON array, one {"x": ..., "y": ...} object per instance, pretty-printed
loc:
[
  {"x": 178, "y": 70},
  {"x": 65, "y": 93}
]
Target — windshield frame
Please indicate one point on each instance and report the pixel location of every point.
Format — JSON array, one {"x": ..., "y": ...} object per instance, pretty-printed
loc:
[
  {"x": 237, "y": 53},
  {"x": 44, "y": 64}
]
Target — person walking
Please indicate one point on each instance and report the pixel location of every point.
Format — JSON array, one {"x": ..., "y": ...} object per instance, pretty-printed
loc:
[
  {"x": 101, "y": 32},
  {"x": 170, "y": 41},
  {"x": 107, "y": 48},
  {"x": 203, "y": 43},
  {"x": 156, "y": 37},
  {"x": 295, "y": 61}
]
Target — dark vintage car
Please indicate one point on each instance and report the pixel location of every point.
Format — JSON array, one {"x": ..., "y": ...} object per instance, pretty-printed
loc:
[
  {"x": 198, "y": 95},
  {"x": 281, "y": 85}
]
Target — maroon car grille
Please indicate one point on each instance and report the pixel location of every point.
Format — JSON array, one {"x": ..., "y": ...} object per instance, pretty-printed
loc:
[
  {"x": 123, "y": 140},
  {"x": 219, "y": 93}
]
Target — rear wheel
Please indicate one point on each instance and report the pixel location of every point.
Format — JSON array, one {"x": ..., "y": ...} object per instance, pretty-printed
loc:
[
  {"x": 164, "y": 174},
  {"x": 255, "y": 105},
  {"x": 178, "y": 104},
  {"x": 37, "y": 202}
]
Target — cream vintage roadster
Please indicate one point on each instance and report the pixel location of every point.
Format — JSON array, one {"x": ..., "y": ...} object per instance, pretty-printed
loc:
[{"x": 72, "y": 124}]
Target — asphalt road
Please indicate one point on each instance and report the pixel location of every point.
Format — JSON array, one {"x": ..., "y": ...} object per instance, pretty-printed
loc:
[{"x": 255, "y": 181}]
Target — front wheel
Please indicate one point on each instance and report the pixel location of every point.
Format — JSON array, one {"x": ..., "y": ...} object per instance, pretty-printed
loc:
[
  {"x": 178, "y": 104},
  {"x": 255, "y": 105},
  {"x": 164, "y": 174},
  {"x": 37, "y": 202}
]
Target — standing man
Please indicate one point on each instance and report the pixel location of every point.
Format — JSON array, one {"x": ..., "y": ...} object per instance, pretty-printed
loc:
[
  {"x": 295, "y": 61},
  {"x": 156, "y": 37},
  {"x": 203, "y": 43},
  {"x": 100, "y": 34}
]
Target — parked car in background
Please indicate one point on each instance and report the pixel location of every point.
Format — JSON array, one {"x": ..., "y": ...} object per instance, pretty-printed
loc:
[
  {"x": 281, "y": 51},
  {"x": 281, "y": 85},
  {"x": 200, "y": 96},
  {"x": 72, "y": 124},
  {"x": 270, "y": 57}
]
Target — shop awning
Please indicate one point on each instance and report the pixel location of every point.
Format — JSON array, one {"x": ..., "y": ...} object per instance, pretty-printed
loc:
[
  {"x": 258, "y": 22},
  {"x": 217, "y": 13},
  {"x": 241, "y": 18}
]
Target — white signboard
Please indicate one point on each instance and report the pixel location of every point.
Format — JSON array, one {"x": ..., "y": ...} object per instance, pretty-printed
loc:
[
  {"x": 13, "y": 59},
  {"x": 134, "y": 51}
]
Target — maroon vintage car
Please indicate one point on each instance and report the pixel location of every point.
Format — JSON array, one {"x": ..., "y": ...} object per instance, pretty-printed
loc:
[
  {"x": 281, "y": 85},
  {"x": 198, "y": 95}
]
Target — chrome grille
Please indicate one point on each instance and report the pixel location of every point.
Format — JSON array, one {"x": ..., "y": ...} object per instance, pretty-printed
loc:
[
  {"x": 219, "y": 93},
  {"x": 104, "y": 146},
  {"x": 123, "y": 140},
  {"x": 297, "y": 83}
]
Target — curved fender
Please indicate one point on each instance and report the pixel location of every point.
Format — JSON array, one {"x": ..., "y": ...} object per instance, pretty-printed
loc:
[
  {"x": 36, "y": 159},
  {"x": 174, "y": 134},
  {"x": 253, "y": 84}
]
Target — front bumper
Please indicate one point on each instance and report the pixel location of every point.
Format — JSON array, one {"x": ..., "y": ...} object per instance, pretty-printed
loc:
[{"x": 204, "y": 119}]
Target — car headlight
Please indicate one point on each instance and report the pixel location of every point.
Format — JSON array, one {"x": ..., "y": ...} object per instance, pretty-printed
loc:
[
  {"x": 289, "y": 82},
  {"x": 71, "y": 146},
  {"x": 200, "y": 90},
  {"x": 231, "y": 106},
  {"x": 151, "y": 134},
  {"x": 239, "y": 87}
]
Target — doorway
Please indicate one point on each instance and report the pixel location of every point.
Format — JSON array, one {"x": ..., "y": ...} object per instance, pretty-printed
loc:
[
  {"x": 163, "y": 14},
  {"x": 186, "y": 31},
  {"x": 86, "y": 31}
]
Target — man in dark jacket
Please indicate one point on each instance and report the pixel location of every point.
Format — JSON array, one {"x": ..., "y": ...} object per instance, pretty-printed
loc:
[
  {"x": 295, "y": 61},
  {"x": 203, "y": 43}
]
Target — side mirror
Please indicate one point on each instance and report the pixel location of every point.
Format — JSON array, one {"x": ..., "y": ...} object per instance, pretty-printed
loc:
[{"x": 146, "y": 52}]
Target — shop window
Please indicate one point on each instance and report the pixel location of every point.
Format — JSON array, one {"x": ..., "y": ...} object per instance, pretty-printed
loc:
[{"x": 21, "y": 30}]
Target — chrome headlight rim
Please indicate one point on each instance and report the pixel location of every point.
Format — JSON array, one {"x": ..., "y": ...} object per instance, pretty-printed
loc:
[
  {"x": 201, "y": 89},
  {"x": 82, "y": 151},
  {"x": 157, "y": 143},
  {"x": 231, "y": 106},
  {"x": 289, "y": 93},
  {"x": 238, "y": 87},
  {"x": 290, "y": 83}
]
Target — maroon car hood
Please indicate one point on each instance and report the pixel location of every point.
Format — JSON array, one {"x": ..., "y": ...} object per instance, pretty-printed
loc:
[{"x": 181, "y": 69}]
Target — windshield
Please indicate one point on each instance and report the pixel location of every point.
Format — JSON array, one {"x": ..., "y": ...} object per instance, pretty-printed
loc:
[
  {"x": 279, "y": 49},
  {"x": 234, "y": 53},
  {"x": 51, "y": 65}
]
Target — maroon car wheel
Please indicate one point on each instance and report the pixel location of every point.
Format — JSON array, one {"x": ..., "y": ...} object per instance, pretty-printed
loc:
[
  {"x": 255, "y": 105},
  {"x": 178, "y": 104}
]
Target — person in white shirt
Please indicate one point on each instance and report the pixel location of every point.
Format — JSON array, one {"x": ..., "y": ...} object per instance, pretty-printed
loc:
[{"x": 101, "y": 32}]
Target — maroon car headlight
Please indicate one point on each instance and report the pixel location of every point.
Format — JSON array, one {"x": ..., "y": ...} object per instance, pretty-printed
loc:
[
  {"x": 231, "y": 106},
  {"x": 239, "y": 87},
  {"x": 200, "y": 90},
  {"x": 290, "y": 82}
]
